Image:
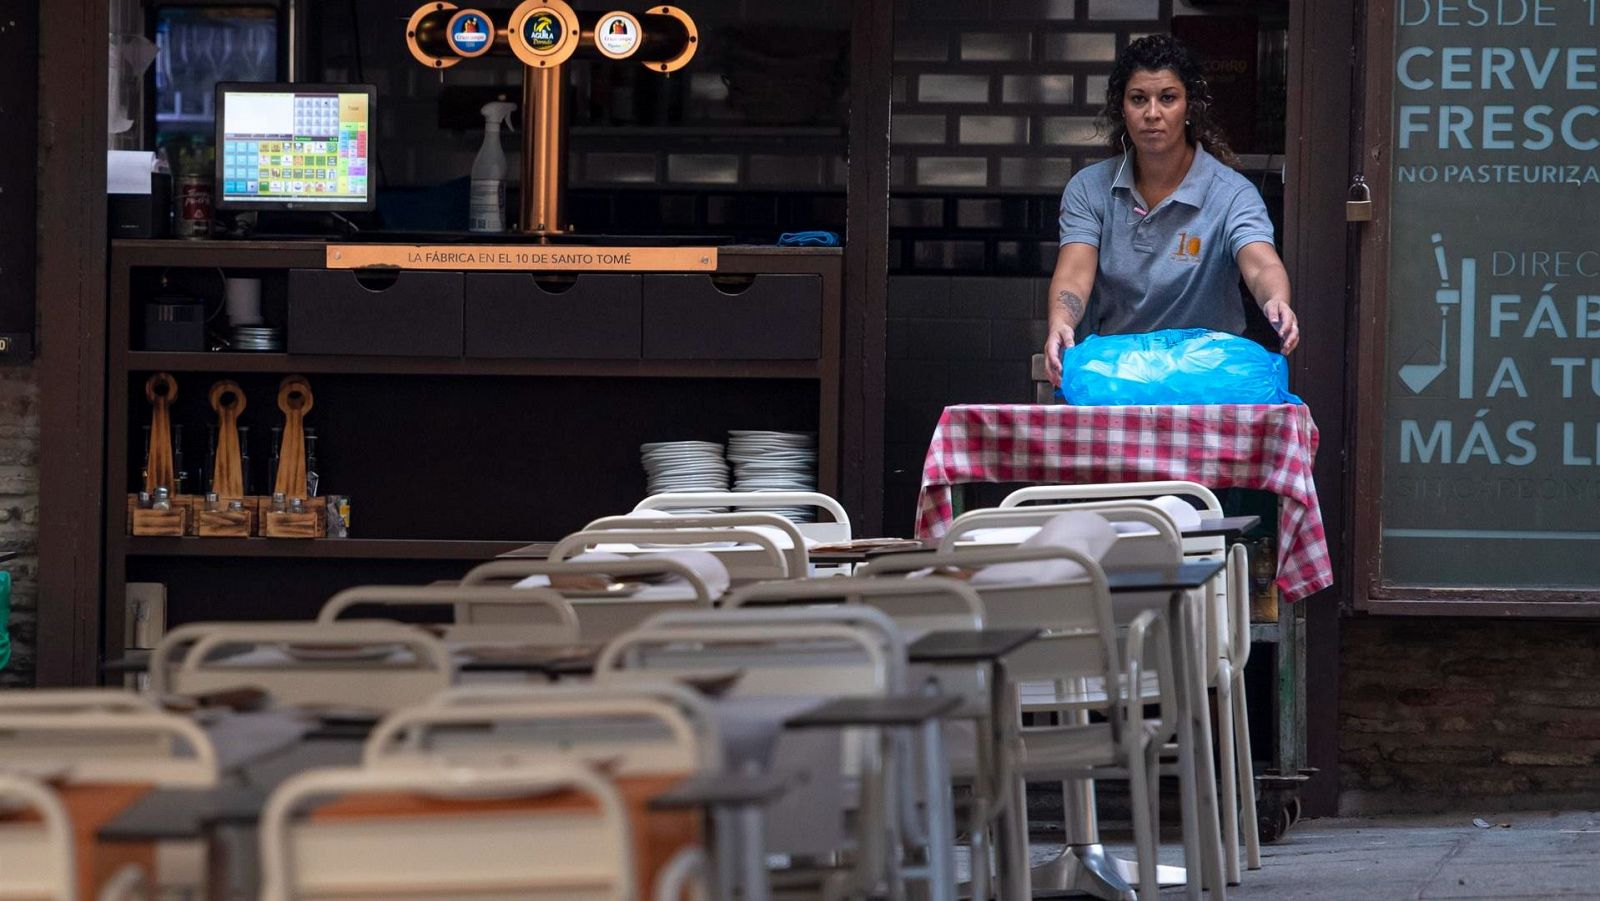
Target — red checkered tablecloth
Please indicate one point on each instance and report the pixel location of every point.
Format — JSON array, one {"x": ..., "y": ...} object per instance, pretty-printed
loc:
[{"x": 1220, "y": 446}]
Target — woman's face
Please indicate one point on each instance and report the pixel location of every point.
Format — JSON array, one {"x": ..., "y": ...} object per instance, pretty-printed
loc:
[{"x": 1154, "y": 106}]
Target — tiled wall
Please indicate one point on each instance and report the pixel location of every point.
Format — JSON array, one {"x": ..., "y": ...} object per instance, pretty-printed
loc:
[
  {"x": 994, "y": 107},
  {"x": 951, "y": 340}
]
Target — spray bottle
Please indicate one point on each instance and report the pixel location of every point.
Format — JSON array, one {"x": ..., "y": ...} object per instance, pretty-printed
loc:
[{"x": 488, "y": 203}]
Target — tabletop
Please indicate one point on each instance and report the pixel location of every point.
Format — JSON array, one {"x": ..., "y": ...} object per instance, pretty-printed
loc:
[
  {"x": 1265, "y": 447},
  {"x": 968, "y": 646},
  {"x": 1183, "y": 577}
]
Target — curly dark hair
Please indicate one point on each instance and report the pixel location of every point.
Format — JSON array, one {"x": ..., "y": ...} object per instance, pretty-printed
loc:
[{"x": 1154, "y": 53}]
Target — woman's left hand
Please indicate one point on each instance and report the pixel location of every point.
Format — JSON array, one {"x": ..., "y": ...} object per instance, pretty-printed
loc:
[{"x": 1284, "y": 322}]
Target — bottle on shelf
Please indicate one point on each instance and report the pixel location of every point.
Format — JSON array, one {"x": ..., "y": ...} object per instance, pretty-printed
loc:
[
  {"x": 244, "y": 460},
  {"x": 272, "y": 455},
  {"x": 1264, "y": 582},
  {"x": 312, "y": 479},
  {"x": 180, "y": 475}
]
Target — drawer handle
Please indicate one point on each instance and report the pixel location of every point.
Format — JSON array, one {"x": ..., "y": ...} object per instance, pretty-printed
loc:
[
  {"x": 733, "y": 285},
  {"x": 376, "y": 280}
]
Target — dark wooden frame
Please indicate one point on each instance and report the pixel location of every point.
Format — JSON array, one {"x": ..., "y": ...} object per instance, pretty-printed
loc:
[
  {"x": 1315, "y": 250},
  {"x": 71, "y": 347},
  {"x": 866, "y": 260},
  {"x": 1372, "y": 593}
]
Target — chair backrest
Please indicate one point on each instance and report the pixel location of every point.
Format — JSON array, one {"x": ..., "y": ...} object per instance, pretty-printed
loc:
[
  {"x": 603, "y": 618},
  {"x": 75, "y": 700},
  {"x": 101, "y": 740},
  {"x": 482, "y": 613},
  {"x": 1079, "y": 632},
  {"x": 825, "y": 659},
  {"x": 473, "y": 832},
  {"x": 777, "y": 535},
  {"x": 692, "y": 706},
  {"x": 37, "y": 860},
  {"x": 1209, "y": 506},
  {"x": 370, "y": 664},
  {"x": 837, "y": 530},
  {"x": 1155, "y": 545},
  {"x": 1116, "y": 491},
  {"x": 629, "y": 735},
  {"x": 918, "y": 605}
]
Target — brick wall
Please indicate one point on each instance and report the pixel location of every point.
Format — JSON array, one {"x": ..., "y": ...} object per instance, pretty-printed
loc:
[{"x": 1452, "y": 714}]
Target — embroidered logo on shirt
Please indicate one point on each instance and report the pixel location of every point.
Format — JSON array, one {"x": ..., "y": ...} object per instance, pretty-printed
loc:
[{"x": 1188, "y": 249}]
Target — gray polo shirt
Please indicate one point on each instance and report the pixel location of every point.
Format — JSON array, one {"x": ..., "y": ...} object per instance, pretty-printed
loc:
[{"x": 1175, "y": 266}]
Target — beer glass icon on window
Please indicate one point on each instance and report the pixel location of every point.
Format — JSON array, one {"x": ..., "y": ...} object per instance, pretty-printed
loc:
[{"x": 1463, "y": 296}]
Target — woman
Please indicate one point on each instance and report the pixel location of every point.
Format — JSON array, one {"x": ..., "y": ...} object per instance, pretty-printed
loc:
[{"x": 1157, "y": 237}]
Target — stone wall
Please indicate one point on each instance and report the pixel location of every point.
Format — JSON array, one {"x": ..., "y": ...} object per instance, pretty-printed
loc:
[{"x": 19, "y": 513}]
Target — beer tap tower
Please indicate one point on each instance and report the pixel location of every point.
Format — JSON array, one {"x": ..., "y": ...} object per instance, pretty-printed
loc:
[{"x": 544, "y": 35}]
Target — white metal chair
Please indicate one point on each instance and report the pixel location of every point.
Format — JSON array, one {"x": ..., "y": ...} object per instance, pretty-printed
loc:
[
  {"x": 753, "y": 546},
  {"x": 97, "y": 738},
  {"x": 576, "y": 853},
  {"x": 1079, "y": 644},
  {"x": 789, "y": 662},
  {"x": 369, "y": 664},
  {"x": 680, "y": 584},
  {"x": 481, "y": 613},
  {"x": 632, "y": 732},
  {"x": 37, "y": 859},
  {"x": 824, "y": 532},
  {"x": 1228, "y": 638},
  {"x": 915, "y": 607}
]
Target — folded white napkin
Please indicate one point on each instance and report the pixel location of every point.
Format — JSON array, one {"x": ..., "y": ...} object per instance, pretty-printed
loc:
[
  {"x": 1182, "y": 513},
  {"x": 705, "y": 565},
  {"x": 1087, "y": 533}
]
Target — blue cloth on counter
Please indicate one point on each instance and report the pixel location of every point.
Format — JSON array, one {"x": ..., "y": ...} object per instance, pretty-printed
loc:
[
  {"x": 1173, "y": 366},
  {"x": 808, "y": 239}
]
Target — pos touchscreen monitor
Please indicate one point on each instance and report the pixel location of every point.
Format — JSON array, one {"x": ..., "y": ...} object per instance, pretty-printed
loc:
[{"x": 295, "y": 147}]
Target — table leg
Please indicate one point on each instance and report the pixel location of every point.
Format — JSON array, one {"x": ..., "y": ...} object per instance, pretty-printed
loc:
[
  {"x": 941, "y": 829},
  {"x": 1011, "y": 836},
  {"x": 1195, "y": 720}
]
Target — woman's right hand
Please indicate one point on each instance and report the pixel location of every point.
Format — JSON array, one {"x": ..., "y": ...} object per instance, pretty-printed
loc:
[{"x": 1060, "y": 338}]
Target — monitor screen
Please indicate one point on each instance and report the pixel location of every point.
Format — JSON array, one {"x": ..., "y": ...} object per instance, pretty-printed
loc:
[{"x": 295, "y": 146}]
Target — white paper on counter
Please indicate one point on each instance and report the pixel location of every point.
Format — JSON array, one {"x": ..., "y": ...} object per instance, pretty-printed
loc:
[{"x": 128, "y": 171}]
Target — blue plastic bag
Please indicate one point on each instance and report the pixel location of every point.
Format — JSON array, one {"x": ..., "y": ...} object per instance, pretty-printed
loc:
[{"x": 1174, "y": 366}]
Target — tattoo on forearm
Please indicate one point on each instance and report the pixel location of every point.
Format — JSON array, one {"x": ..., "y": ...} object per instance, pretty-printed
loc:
[{"x": 1072, "y": 305}]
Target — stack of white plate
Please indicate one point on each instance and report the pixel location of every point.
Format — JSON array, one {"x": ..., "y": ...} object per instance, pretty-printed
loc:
[
  {"x": 775, "y": 461},
  {"x": 684, "y": 466}
]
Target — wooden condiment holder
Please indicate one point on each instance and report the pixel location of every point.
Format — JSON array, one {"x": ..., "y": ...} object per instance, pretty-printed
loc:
[
  {"x": 295, "y": 400},
  {"x": 312, "y": 522},
  {"x": 227, "y": 482},
  {"x": 161, "y": 390}
]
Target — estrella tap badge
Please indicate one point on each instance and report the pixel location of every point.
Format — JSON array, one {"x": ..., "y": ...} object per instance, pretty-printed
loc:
[
  {"x": 470, "y": 33},
  {"x": 541, "y": 30}
]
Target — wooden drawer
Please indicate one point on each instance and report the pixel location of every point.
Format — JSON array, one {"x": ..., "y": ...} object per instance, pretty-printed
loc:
[
  {"x": 516, "y": 315},
  {"x": 403, "y": 314},
  {"x": 767, "y": 317}
]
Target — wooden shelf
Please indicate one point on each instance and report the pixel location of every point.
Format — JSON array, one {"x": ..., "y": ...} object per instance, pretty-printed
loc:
[
  {"x": 327, "y": 548},
  {"x": 156, "y": 361}
]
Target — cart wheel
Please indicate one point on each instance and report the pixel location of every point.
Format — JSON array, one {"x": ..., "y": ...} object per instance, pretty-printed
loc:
[{"x": 1273, "y": 821}]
